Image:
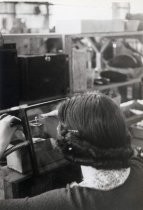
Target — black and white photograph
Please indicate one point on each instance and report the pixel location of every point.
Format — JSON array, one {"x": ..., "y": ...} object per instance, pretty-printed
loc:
[{"x": 71, "y": 105}]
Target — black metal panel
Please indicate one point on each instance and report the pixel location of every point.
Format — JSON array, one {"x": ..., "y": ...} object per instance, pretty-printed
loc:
[
  {"x": 43, "y": 77},
  {"x": 9, "y": 79}
]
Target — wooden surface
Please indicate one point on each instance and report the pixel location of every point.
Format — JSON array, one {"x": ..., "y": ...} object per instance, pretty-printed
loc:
[
  {"x": 131, "y": 34},
  {"x": 79, "y": 76}
]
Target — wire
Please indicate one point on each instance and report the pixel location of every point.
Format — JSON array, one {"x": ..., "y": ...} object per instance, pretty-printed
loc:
[{"x": 15, "y": 147}]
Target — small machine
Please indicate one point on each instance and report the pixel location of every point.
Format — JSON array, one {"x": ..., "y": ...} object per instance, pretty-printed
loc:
[
  {"x": 34, "y": 164},
  {"x": 35, "y": 150}
]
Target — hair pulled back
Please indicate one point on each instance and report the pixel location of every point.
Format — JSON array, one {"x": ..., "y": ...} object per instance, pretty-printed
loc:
[{"x": 94, "y": 132}]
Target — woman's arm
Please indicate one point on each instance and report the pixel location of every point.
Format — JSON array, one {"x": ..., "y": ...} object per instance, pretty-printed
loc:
[{"x": 7, "y": 129}]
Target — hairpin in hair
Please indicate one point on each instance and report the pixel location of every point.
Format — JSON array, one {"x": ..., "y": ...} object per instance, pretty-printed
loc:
[{"x": 73, "y": 131}]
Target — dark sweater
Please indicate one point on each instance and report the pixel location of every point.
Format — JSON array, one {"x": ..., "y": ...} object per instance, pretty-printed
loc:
[{"x": 129, "y": 196}]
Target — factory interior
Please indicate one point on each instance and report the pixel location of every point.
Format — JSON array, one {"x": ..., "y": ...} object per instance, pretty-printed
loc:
[{"x": 51, "y": 51}]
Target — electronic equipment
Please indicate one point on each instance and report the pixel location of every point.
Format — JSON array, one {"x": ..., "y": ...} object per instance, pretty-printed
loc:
[
  {"x": 9, "y": 77},
  {"x": 40, "y": 133},
  {"x": 43, "y": 76}
]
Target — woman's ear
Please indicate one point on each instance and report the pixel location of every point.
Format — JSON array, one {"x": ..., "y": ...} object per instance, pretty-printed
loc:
[
  {"x": 50, "y": 126},
  {"x": 61, "y": 130}
]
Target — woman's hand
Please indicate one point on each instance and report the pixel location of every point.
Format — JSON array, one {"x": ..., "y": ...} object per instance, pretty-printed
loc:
[
  {"x": 8, "y": 126},
  {"x": 53, "y": 113}
]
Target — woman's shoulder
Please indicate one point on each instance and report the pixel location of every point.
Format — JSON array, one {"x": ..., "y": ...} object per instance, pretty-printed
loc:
[
  {"x": 136, "y": 174},
  {"x": 137, "y": 162}
]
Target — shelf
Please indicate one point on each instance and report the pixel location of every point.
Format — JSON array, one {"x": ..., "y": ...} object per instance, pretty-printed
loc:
[
  {"x": 27, "y": 1},
  {"x": 98, "y": 41},
  {"x": 108, "y": 34},
  {"x": 119, "y": 84},
  {"x": 30, "y": 35}
]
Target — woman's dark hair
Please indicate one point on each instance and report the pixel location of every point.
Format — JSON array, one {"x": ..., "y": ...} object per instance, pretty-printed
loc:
[{"x": 94, "y": 132}]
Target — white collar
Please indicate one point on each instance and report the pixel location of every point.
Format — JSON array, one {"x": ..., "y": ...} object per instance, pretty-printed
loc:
[{"x": 105, "y": 179}]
